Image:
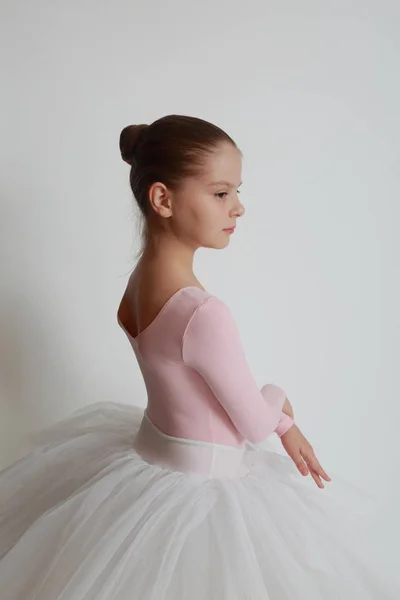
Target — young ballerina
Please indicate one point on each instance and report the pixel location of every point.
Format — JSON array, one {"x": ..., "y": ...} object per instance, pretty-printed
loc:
[{"x": 186, "y": 500}]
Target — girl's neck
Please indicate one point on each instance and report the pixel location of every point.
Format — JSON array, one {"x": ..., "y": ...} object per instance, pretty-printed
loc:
[{"x": 171, "y": 252}]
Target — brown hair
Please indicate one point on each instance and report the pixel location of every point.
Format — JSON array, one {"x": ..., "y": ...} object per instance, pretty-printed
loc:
[{"x": 169, "y": 150}]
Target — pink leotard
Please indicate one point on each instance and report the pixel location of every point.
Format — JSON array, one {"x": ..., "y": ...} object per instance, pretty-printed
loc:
[{"x": 199, "y": 385}]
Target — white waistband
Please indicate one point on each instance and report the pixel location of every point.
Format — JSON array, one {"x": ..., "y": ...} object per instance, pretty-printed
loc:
[
  {"x": 189, "y": 441},
  {"x": 186, "y": 455}
]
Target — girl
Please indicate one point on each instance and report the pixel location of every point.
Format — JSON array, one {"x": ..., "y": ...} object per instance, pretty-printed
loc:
[{"x": 185, "y": 500}]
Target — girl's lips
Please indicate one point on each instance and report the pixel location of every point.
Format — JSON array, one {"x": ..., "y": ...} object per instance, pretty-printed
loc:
[{"x": 230, "y": 229}]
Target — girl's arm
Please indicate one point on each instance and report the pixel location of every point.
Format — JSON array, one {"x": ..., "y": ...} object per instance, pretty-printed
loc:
[{"x": 211, "y": 345}]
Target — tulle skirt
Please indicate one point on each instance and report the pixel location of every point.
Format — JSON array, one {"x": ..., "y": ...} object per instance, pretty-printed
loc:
[{"x": 106, "y": 507}]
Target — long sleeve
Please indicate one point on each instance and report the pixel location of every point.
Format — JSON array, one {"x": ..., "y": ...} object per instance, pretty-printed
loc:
[
  {"x": 275, "y": 396},
  {"x": 211, "y": 345}
]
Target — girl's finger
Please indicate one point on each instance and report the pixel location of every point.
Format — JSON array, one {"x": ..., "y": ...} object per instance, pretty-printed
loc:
[
  {"x": 324, "y": 475},
  {"x": 317, "y": 467},
  {"x": 314, "y": 473},
  {"x": 300, "y": 464},
  {"x": 316, "y": 478}
]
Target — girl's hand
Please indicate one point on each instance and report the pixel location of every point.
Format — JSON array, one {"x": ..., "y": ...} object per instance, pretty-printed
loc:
[{"x": 302, "y": 454}]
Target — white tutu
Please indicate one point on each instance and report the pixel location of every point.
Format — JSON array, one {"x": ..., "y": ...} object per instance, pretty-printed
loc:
[{"x": 85, "y": 517}]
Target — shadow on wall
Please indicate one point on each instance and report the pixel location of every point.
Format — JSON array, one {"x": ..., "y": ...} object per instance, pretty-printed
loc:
[
  {"x": 47, "y": 366},
  {"x": 35, "y": 369}
]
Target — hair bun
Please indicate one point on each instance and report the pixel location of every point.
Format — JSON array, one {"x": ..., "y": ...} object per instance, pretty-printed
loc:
[{"x": 129, "y": 139}]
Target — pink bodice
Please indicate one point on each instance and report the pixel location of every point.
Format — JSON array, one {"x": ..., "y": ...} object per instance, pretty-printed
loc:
[{"x": 198, "y": 382}]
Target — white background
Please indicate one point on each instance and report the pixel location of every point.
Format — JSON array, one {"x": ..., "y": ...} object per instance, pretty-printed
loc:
[{"x": 311, "y": 93}]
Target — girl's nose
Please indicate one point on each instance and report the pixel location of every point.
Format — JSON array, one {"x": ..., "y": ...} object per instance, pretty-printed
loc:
[{"x": 238, "y": 210}]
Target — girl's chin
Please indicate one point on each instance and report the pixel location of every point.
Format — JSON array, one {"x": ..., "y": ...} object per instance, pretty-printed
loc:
[{"x": 219, "y": 244}]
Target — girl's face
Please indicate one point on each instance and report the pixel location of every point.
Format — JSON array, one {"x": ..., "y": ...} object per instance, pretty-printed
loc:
[{"x": 205, "y": 207}]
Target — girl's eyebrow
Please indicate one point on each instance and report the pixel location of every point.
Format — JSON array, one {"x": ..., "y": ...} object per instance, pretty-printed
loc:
[{"x": 214, "y": 183}]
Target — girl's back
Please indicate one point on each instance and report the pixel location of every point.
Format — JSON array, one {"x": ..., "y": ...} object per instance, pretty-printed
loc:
[{"x": 149, "y": 288}]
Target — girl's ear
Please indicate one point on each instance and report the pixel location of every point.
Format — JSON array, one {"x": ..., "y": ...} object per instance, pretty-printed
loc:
[{"x": 160, "y": 200}]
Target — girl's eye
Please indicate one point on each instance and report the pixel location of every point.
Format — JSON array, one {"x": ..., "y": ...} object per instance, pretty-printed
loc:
[{"x": 222, "y": 195}]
